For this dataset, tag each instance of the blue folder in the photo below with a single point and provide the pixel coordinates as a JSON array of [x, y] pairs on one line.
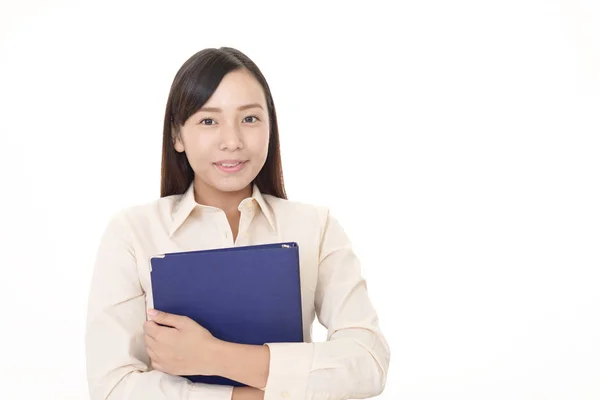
[[245, 294]]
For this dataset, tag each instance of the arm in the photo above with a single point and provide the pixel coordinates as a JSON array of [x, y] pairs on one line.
[[353, 362], [116, 358], [248, 364], [247, 393]]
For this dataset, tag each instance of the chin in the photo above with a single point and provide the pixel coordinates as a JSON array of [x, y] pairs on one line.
[[231, 185]]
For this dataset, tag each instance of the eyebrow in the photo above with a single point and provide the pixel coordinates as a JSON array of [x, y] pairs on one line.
[[244, 107]]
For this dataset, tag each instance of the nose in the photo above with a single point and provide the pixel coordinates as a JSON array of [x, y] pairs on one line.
[[231, 137]]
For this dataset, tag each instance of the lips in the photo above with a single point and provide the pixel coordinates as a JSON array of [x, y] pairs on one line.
[[229, 163], [230, 166]]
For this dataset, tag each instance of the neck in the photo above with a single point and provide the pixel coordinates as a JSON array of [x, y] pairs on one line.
[[226, 201]]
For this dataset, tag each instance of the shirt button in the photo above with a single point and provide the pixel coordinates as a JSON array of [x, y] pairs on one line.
[[285, 395]]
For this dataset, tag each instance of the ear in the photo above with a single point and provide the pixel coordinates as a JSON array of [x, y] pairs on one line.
[[177, 141], [178, 144]]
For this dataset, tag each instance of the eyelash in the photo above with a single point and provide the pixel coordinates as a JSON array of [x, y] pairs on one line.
[[257, 119]]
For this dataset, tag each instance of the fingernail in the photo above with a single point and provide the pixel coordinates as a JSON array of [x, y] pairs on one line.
[[152, 312]]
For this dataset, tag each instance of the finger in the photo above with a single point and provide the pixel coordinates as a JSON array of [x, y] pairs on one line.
[[156, 366], [151, 343], [152, 354], [154, 359], [151, 329], [163, 318]]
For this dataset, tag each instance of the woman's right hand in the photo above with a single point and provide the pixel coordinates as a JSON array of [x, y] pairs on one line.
[[247, 393]]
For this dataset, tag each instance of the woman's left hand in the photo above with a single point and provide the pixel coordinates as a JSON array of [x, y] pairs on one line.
[[185, 349]]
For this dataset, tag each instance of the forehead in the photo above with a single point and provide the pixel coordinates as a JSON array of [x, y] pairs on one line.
[[235, 89]]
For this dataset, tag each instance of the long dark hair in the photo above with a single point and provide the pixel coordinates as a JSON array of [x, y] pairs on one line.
[[194, 83]]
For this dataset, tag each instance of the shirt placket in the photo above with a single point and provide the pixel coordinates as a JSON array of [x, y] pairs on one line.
[[247, 214]]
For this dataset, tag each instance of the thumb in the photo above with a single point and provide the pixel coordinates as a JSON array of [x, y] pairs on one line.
[[165, 318]]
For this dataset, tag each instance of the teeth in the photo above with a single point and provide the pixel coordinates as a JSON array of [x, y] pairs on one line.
[[230, 165]]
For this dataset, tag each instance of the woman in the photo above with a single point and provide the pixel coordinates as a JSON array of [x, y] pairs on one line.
[[222, 186]]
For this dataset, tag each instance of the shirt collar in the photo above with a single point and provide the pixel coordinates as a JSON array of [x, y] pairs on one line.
[[187, 203]]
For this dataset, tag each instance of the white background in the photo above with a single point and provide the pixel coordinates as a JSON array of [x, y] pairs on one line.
[[456, 141]]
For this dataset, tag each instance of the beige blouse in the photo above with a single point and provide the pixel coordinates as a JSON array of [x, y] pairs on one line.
[[351, 363]]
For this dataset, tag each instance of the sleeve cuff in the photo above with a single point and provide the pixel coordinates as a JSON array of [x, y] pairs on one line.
[[289, 369], [203, 391]]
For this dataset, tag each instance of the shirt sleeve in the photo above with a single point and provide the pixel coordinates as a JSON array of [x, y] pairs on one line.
[[116, 358], [353, 361]]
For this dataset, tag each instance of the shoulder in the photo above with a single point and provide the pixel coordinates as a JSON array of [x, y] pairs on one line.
[[297, 211], [286, 205], [146, 214]]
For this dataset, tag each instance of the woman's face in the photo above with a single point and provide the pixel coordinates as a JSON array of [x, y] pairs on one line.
[[227, 140]]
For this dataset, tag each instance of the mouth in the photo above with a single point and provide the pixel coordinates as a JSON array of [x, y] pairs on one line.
[[230, 166]]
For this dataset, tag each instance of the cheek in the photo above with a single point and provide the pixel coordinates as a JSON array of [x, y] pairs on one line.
[[199, 150], [259, 144]]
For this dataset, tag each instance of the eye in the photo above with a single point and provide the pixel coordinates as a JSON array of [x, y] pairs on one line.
[[207, 119], [251, 116]]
